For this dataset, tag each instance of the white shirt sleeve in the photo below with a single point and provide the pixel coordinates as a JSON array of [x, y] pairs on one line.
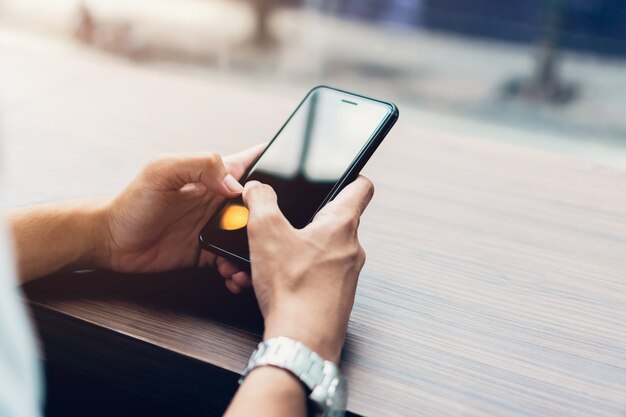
[[20, 382]]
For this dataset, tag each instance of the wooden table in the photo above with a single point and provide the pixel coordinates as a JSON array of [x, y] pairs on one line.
[[496, 276]]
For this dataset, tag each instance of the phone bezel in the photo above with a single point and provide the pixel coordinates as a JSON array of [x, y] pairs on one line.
[[348, 176]]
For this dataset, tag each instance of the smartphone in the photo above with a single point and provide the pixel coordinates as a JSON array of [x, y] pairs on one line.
[[319, 150]]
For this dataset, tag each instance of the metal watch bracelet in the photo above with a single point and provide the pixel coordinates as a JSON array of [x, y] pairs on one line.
[[321, 378]]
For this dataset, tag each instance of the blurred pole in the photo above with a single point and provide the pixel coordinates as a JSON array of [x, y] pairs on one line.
[[263, 12], [545, 84], [546, 76]]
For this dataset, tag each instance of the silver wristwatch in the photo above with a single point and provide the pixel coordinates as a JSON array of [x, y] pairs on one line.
[[322, 379]]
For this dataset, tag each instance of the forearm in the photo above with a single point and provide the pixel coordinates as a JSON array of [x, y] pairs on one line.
[[269, 391], [52, 237]]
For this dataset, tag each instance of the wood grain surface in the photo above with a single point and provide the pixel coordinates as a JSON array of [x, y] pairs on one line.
[[496, 276]]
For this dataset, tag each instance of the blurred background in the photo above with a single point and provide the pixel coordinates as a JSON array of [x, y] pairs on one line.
[[544, 73]]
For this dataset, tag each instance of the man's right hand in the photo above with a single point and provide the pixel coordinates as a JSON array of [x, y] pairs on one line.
[[305, 280]]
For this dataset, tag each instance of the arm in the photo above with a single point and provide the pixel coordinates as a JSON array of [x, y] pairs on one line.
[[305, 283], [51, 237]]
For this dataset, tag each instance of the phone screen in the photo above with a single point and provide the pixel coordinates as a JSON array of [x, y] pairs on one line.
[[305, 161]]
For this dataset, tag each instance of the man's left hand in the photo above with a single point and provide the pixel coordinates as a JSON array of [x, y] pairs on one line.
[[153, 225]]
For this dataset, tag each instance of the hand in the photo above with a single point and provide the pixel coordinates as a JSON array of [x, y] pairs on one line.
[[153, 225], [305, 280]]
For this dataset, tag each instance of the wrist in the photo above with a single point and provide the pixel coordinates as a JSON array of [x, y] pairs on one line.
[[318, 335], [93, 218]]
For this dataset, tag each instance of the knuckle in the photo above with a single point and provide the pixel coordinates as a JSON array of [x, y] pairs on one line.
[[251, 189], [351, 219], [159, 160], [213, 159], [257, 187], [268, 189], [370, 187], [356, 257], [361, 255], [156, 165]]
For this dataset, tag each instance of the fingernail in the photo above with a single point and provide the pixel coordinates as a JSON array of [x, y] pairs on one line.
[[232, 184]]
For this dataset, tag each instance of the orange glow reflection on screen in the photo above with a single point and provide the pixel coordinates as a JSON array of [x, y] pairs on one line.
[[234, 217]]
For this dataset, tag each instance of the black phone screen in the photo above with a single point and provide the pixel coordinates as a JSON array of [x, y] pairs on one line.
[[304, 163]]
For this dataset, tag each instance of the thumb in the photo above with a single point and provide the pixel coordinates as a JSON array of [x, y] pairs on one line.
[[349, 204], [262, 204], [168, 173]]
